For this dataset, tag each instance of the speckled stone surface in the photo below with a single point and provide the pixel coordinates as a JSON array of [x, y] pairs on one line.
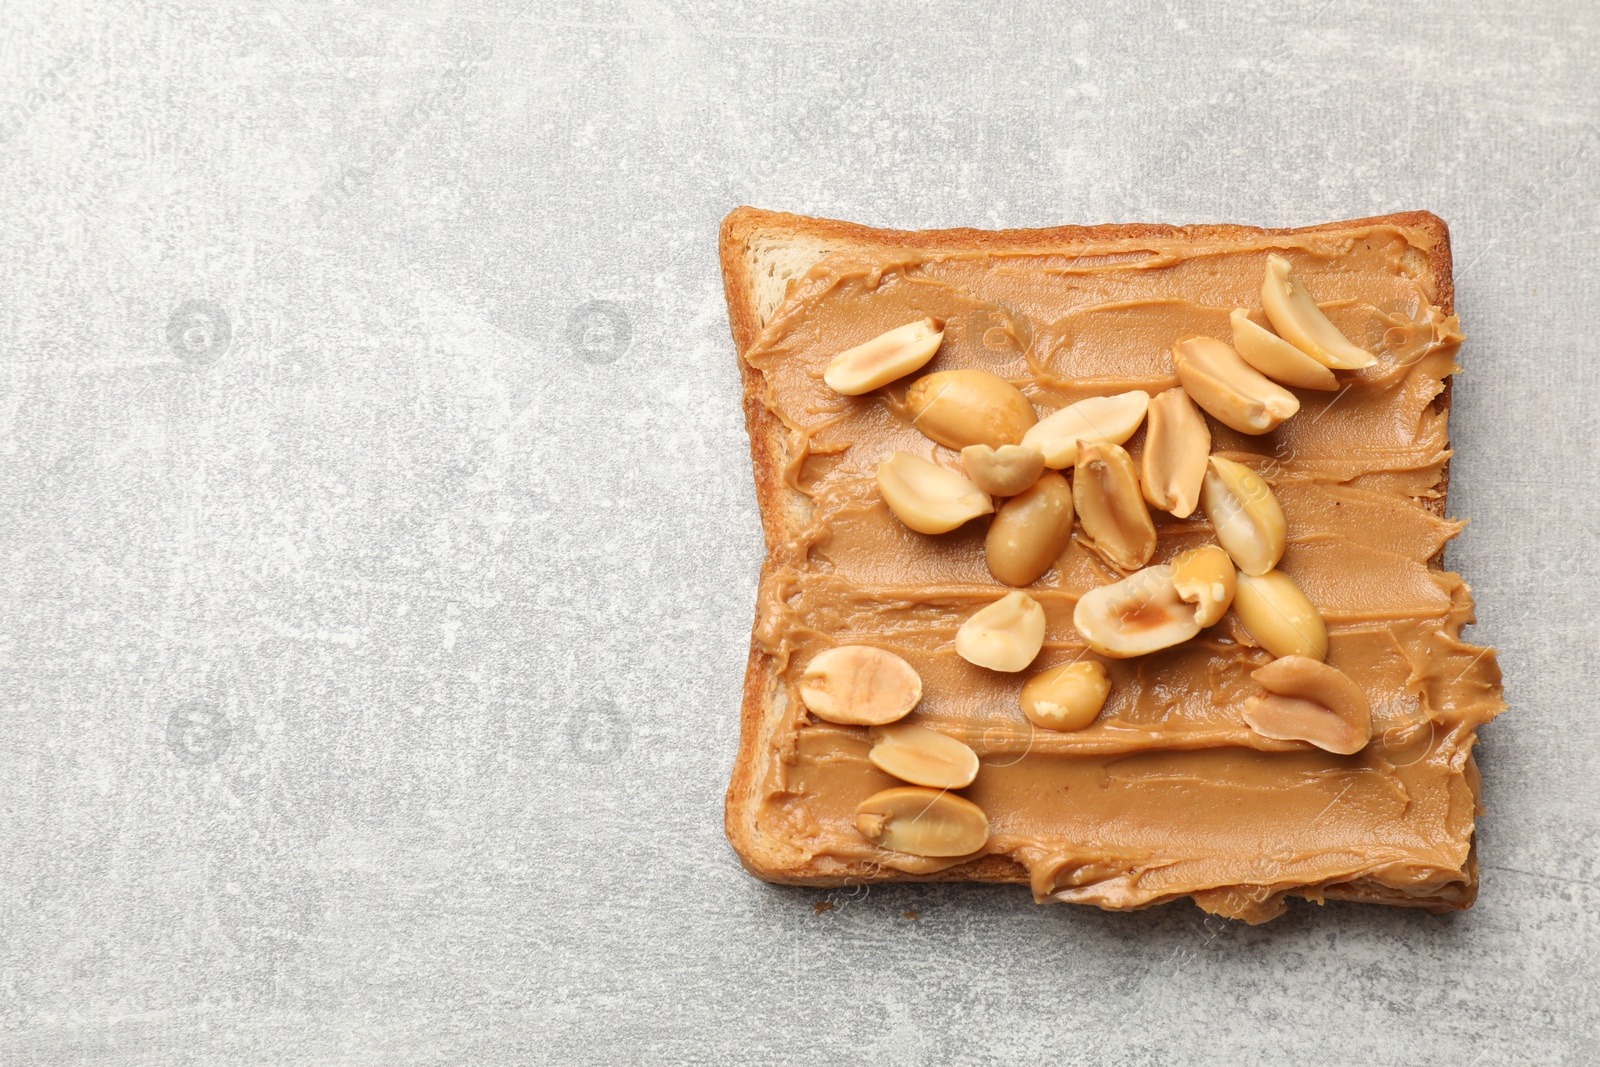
[[378, 545]]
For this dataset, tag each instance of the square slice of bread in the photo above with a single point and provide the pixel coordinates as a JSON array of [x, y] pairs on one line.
[[764, 255]]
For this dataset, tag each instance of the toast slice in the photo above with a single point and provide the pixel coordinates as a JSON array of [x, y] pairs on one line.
[[768, 258]]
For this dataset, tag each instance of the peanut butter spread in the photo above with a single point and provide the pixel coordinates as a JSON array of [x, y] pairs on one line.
[[1169, 793]]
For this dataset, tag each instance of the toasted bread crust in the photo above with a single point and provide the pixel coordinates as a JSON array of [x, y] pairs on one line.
[[741, 229]]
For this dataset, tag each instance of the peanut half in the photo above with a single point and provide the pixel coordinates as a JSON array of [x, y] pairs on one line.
[[923, 822], [1310, 701], [1204, 577], [1299, 320], [1003, 471], [1176, 443], [922, 756], [1099, 418], [927, 497], [1004, 636], [1244, 514], [1279, 617], [888, 356], [958, 408], [1234, 393], [858, 685], [1277, 358], [1105, 490], [1068, 697], [1030, 531], [1138, 615]]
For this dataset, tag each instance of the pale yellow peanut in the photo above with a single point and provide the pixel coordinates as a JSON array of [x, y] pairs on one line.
[[887, 357], [1277, 358], [958, 408], [1110, 505], [1068, 697], [1003, 471], [859, 685], [1138, 615], [1004, 636], [922, 756], [929, 498], [1278, 615], [1232, 392], [1099, 418], [1204, 577], [1310, 701], [1030, 531], [1176, 443], [922, 822], [1244, 514], [1298, 320]]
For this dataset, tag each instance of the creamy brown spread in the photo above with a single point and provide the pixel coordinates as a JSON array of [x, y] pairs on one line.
[[1169, 793]]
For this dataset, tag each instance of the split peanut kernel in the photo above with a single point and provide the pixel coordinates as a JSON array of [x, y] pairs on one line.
[[1138, 615], [1176, 443], [927, 497], [1204, 577], [1231, 390], [1068, 697], [1277, 358], [1030, 531], [922, 822], [888, 356], [1105, 491], [1099, 418], [1003, 471], [958, 408], [1308, 700], [1299, 320], [1245, 516], [1279, 617], [922, 756], [1004, 636], [858, 685]]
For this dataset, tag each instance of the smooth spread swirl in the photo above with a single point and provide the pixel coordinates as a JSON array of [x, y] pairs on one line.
[[1169, 793]]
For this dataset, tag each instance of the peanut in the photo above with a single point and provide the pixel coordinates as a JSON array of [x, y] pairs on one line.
[[858, 685], [1299, 320], [1279, 617], [923, 822], [1068, 697], [1310, 701], [1099, 418], [922, 756], [1176, 443], [927, 497], [888, 356], [1004, 636], [1231, 390], [958, 408], [1244, 514], [1105, 491], [1030, 531], [1138, 615]]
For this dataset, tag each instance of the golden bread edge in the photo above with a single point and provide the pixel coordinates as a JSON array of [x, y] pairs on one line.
[[763, 856]]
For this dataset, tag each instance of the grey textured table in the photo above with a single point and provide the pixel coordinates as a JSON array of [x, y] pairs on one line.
[[378, 545]]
